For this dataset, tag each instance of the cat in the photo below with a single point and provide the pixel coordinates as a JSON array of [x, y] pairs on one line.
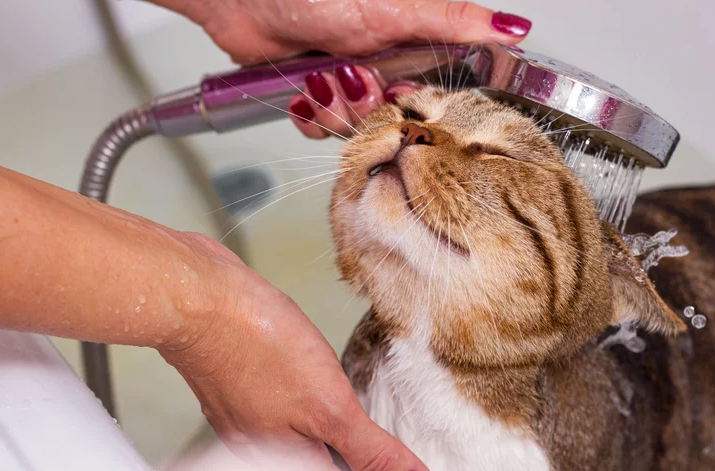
[[493, 285]]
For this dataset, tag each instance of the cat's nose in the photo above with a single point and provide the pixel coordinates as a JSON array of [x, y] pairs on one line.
[[414, 134]]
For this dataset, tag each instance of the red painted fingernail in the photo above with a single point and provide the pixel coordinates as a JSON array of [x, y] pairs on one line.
[[351, 82], [391, 97], [319, 88], [302, 110], [510, 24]]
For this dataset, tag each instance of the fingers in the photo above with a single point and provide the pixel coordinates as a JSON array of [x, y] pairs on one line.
[[339, 420], [399, 89], [433, 21], [366, 447], [464, 22], [334, 104]]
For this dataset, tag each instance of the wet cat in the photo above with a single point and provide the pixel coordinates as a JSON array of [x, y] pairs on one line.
[[493, 284]]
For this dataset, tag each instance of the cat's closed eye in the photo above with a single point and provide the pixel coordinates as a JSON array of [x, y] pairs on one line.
[[479, 148], [409, 113]]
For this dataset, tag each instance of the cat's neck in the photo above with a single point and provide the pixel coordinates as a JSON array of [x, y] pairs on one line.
[[506, 393]]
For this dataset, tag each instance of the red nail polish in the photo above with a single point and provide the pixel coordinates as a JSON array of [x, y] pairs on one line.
[[351, 82], [390, 97], [302, 110], [319, 89], [510, 24]]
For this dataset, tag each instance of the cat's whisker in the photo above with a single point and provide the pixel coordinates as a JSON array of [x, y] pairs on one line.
[[449, 75], [292, 159], [352, 128], [296, 182], [436, 61], [356, 243], [297, 169], [345, 197], [276, 201], [461, 70], [413, 65], [355, 113], [417, 219], [285, 111], [332, 248]]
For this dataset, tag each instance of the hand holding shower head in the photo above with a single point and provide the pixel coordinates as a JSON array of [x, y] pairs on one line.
[[606, 135]]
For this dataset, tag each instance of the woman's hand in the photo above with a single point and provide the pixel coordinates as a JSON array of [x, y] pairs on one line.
[[268, 382], [253, 31], [266, 378]]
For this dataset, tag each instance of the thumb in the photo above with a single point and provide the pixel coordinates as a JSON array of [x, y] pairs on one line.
[[366, 447], [455, 22]]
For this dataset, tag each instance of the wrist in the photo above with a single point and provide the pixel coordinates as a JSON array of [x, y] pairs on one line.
[[203, 289]]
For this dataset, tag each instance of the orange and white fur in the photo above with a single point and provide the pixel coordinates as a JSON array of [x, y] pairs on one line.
[[492, 280]]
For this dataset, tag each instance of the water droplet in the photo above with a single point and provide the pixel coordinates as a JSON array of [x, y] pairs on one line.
[[138, 309], [166, 275], [699, 321], [183, 281], [635, 344], [184, 339], [186, 267], [142, 299], [689, 311]]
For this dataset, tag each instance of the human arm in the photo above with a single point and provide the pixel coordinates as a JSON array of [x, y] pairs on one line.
[[76, 268]]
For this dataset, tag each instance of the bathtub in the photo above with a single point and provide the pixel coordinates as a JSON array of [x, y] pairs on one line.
[[49, 420]]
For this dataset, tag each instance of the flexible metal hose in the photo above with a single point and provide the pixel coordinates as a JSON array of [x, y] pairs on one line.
[[98, 171], [102, 160]]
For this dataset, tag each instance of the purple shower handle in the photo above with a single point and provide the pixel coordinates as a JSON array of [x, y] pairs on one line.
[[253, 95]]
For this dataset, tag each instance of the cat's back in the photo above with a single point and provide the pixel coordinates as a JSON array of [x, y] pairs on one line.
[[689, 281], [654, 410]]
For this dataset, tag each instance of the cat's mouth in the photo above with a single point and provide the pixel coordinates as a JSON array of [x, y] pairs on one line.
[[393, 170]]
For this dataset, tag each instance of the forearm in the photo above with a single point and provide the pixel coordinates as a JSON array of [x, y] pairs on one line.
[[72, 267]]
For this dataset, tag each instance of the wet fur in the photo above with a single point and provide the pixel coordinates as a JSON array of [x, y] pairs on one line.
[[485, 261]]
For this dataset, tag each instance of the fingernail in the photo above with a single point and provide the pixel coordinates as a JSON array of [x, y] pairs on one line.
[[390, 97], [319, 88], [510, 24], [351, 82], [302, 110]]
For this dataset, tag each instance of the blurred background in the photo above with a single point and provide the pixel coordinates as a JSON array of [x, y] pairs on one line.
[[61, 82]]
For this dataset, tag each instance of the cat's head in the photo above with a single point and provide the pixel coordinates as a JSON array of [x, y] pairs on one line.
[[457, 217]]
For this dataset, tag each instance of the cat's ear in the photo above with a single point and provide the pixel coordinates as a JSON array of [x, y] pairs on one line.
[[635, 299]]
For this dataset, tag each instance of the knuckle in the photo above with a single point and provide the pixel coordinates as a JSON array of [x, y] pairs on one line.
[[457, 12], [382, 460], [330, 416]]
